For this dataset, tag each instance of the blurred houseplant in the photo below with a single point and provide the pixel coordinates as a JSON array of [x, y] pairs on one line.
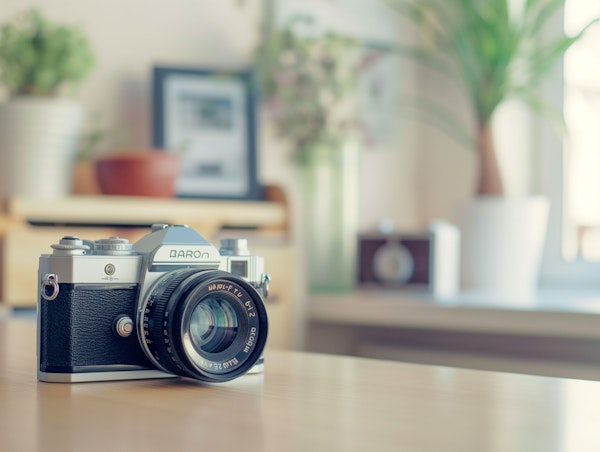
[[499, 53], [310, 83], [39, 126], [498, 50]]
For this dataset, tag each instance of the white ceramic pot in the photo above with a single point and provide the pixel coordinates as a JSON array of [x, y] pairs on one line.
[[38, 140], [502, 244]]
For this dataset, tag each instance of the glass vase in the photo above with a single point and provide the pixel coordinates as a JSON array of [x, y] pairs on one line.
[[329, 180]]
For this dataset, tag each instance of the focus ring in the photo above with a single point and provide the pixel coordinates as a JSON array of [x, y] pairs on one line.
[[160, 324]]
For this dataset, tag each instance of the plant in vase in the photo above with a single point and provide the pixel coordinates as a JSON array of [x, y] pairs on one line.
[[497, 49], [310, 84], [39, 127]]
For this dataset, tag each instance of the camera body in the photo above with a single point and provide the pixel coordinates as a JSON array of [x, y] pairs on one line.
[[170, 304]]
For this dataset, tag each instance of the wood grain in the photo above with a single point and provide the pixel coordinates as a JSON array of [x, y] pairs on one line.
[[303, 402]]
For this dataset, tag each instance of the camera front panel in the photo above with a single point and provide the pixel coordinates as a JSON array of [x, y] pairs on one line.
[[77, 330]]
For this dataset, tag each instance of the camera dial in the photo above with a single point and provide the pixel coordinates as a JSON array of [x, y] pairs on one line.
[[234, 247], [113, 246], [70, 245]]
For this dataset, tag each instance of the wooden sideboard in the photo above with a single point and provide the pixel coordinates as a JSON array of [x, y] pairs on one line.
[[28, 228]]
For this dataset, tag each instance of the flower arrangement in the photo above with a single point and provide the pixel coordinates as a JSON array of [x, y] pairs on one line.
[[310, 84]]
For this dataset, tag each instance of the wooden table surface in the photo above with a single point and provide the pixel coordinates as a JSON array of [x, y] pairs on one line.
[[303, 402]]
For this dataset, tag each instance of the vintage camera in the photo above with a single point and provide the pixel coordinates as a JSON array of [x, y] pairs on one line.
[[169, 305], [428, 260]]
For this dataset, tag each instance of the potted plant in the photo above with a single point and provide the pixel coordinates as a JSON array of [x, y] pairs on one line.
[[498, 51], [309, 82], [138, 172], [106, 164], [39, 127]]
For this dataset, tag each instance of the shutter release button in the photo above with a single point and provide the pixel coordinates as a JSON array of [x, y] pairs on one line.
[[123, 326]]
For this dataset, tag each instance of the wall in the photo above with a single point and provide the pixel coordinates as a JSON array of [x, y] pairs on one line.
[[131, 36], [423, 176]]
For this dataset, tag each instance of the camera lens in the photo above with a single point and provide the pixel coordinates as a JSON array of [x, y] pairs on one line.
[[204, 324], [213, 325]]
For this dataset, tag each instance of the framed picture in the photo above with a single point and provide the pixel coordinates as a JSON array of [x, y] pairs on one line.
[[209, 118]]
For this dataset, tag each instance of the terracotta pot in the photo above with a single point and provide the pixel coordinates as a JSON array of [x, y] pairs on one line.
[[84, 179], [143, 173]]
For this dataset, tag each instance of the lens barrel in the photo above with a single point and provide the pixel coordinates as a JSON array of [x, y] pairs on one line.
[[203, 324]]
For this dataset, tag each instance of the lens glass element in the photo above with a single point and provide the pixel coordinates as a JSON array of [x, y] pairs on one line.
[[213, 325]]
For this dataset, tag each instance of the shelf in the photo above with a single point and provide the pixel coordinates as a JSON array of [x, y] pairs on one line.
[[557, 334], [565, 314], [122, 210]]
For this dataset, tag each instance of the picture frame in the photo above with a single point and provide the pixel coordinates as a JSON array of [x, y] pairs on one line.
[[209, 117]]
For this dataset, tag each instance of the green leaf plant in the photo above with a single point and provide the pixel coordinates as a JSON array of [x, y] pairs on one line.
[[499, 54], [38, 57]]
